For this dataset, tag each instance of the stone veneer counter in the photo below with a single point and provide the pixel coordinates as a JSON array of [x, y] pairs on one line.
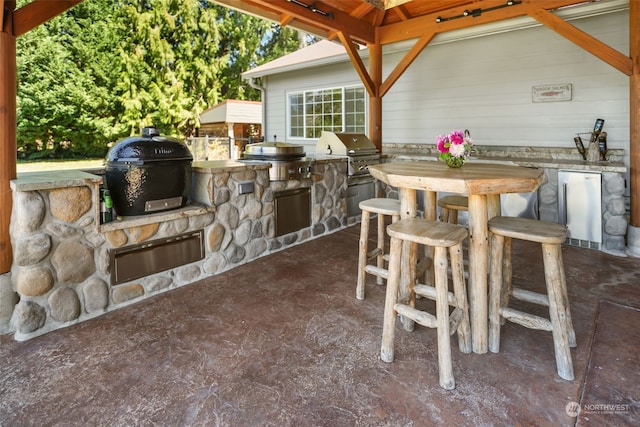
[[62, 265], [538, 157]]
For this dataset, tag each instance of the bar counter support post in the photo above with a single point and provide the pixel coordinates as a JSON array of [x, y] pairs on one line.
[[481, 209]]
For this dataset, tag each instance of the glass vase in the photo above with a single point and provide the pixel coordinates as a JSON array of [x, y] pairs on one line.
[[455, 162]]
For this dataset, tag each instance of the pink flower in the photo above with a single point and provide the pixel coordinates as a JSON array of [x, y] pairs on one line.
[[455, 145], [442, 142], [456, 137]]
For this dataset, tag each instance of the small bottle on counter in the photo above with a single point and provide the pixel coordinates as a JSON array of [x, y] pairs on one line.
[[602, 146], [106, 207], [108, 203]]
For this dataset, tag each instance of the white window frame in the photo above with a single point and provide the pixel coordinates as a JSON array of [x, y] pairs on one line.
[[303, 124]]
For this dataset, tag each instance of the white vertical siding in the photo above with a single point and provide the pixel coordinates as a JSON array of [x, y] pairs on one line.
[[279, 85], [484, 84]]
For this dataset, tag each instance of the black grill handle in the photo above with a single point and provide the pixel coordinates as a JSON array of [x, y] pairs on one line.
[[150, 131]]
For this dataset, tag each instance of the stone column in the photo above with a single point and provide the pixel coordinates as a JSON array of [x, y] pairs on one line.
[[8, 300]]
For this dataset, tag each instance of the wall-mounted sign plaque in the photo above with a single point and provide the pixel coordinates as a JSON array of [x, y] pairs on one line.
[[551, 93]]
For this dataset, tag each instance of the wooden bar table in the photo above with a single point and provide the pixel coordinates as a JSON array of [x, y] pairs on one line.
[[482, 183]]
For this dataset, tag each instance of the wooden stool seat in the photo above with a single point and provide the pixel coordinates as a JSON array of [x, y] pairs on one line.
[[382, 207], [443, 238], [428, 233], [450, 205], [528, 229], [551, 236]]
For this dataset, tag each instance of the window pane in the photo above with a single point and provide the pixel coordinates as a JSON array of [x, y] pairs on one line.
[[334, 109]]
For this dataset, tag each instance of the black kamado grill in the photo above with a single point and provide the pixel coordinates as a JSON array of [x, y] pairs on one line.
[[148, 173]]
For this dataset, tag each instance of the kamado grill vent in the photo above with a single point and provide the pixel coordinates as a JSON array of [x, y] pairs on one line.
[[148, 173]]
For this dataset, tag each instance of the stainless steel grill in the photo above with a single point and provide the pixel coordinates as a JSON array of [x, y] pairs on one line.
[[288, 161], [356, 146], [361, 153]]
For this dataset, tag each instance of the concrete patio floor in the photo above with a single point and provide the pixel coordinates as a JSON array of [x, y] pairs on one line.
[[282, 341]]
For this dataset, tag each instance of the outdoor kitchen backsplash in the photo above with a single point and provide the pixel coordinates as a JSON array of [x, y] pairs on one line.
[[61, 267]]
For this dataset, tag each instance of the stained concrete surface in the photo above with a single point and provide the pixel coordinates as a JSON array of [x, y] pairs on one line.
[[282, 341]]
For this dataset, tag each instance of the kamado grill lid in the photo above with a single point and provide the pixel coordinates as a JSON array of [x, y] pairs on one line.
[[150, 147], [274, 151]]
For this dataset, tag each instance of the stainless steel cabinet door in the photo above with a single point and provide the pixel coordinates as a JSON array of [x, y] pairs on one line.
[[579, 206]]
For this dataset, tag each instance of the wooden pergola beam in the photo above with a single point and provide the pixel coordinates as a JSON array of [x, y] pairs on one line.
[[454, 19], [38, 12], [361, 69], [320, 16], [585, 41]]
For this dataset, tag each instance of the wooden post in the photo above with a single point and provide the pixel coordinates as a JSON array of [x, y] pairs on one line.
[[7, 132], [375, 101]]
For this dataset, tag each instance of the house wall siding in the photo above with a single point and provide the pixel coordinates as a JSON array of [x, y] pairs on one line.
[[485, 85]]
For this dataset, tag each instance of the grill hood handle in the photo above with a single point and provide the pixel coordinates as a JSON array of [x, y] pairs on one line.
[[150, 131]]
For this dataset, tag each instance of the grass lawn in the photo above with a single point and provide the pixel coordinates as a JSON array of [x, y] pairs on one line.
[[58, 165]]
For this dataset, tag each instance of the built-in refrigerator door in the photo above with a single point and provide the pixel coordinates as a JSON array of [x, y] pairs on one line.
[[579, 207]]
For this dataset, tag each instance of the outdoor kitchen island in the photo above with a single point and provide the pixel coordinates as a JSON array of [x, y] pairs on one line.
[[63, 257]]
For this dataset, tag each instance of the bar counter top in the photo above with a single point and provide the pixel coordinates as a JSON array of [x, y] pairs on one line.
[[535, 157]]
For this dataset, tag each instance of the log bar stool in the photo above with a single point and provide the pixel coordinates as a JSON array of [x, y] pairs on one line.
[[551, 236], [381, 207], [449, 207], [441, 236]]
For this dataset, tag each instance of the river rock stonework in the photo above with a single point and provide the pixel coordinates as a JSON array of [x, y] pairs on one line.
[[614, 227], [61, 272]]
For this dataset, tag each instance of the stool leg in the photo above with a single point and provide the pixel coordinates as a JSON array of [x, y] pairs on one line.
[[552, 256], [495, 291], [408, 275], [393, 282], [444, 215], [565, 297], [428, 272], [460, 292], [362, 255], [445, 368], [507, 275], [453, 216], [380, 257]]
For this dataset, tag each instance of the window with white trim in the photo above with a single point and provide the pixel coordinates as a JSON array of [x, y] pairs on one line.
[[335, 109]]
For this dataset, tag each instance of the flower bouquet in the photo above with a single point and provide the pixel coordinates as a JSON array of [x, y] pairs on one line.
[[454, 148]]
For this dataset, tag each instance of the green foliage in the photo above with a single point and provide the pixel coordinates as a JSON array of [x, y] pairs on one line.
[[108, 68], [63, 97]]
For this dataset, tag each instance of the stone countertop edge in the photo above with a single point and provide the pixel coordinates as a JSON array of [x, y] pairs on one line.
[[327, 158], [47, 180], [136, 221], [219, 166], [580, 165]]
